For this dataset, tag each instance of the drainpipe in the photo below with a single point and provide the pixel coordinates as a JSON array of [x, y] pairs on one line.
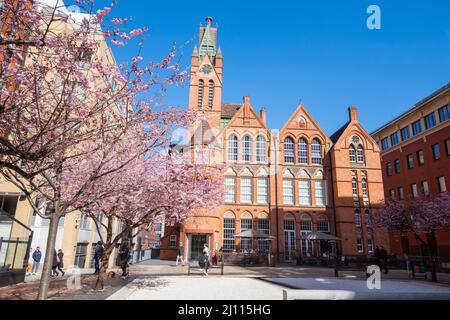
[[277, 210], [333, 193], [336, 270]]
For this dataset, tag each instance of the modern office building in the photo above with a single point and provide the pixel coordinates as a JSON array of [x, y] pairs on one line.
[[416, 161]]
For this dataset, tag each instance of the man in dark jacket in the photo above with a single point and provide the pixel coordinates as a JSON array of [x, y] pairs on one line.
[[37, 256], [384, 260], [180, 255], [55, 264], [61, 261], [98, 254], [124, 256]]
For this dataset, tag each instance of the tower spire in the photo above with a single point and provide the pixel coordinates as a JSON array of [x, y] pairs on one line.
[[208, 37]]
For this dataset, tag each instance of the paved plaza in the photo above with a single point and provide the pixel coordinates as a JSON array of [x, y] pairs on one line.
[[163, 280]]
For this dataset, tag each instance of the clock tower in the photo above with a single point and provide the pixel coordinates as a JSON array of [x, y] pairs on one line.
[[205, 92]]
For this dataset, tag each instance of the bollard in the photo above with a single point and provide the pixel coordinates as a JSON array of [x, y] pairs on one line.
[[221, 267], [336, 272], [189, 269]]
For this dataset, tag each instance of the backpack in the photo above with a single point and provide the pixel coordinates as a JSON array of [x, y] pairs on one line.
[[202, 259]]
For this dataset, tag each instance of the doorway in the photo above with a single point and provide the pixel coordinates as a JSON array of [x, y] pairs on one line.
[[196, 242]]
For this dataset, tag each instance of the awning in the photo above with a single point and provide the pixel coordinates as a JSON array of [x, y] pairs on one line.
[[318, 236], [254, 234]]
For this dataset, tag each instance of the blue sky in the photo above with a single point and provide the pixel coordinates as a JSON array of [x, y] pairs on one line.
[[319, 52]]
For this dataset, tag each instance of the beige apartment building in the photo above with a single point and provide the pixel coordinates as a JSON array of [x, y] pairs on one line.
[[77, 234]]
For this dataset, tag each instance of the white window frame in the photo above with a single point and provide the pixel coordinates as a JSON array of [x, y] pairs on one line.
[[247, 190], [289, 151], [263, 190], [233, 148], [230, 195], [304, 192], [247, 149], [320, 193], [316, 150], [228, 235], [173, 241], [303, 151], [288, 192], [261, 149]]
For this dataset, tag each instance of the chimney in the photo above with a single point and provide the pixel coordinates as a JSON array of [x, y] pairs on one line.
[[353, 114], [247, 100], [264, 115]]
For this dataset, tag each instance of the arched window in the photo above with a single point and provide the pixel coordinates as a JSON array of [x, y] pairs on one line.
[[358, 221], [323, 224], [264, 226], [365, 188], [304, 189], [261, 149], [355, 188], [211, 94], [229, 227], [360, 154], [368, 219], [303, 154], [289, 150], [246, 224], [352, 153], [247, 146], [306, 228], [289, 236], [201, 85], [316, 150], [288, 188], [233, 148], [247, 187]]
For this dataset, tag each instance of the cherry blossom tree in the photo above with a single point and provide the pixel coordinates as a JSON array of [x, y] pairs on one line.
[[165, 186], [422, 216], [70, 116]]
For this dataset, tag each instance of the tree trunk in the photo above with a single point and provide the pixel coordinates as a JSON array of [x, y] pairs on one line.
[[49, 254], [431, 252], [100, 284]]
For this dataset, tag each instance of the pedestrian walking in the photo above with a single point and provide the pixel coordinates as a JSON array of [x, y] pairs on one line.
[[55, 273], [98, 254], [180, 255], [37, 256], [124, 257], [207, 256], [61, 262], [384, 260]]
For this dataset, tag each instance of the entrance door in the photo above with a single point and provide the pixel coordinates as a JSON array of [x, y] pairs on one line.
[[196, 242], [289, 244]]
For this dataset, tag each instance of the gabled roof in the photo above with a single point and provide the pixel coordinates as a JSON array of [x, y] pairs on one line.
[[302, 109], [335, 136], [229, 110]]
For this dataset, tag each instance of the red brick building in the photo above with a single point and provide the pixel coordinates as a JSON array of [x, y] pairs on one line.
[[416, 161], [287, 184]]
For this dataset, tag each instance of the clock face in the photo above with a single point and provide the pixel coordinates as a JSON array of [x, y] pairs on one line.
[[206, 69]]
